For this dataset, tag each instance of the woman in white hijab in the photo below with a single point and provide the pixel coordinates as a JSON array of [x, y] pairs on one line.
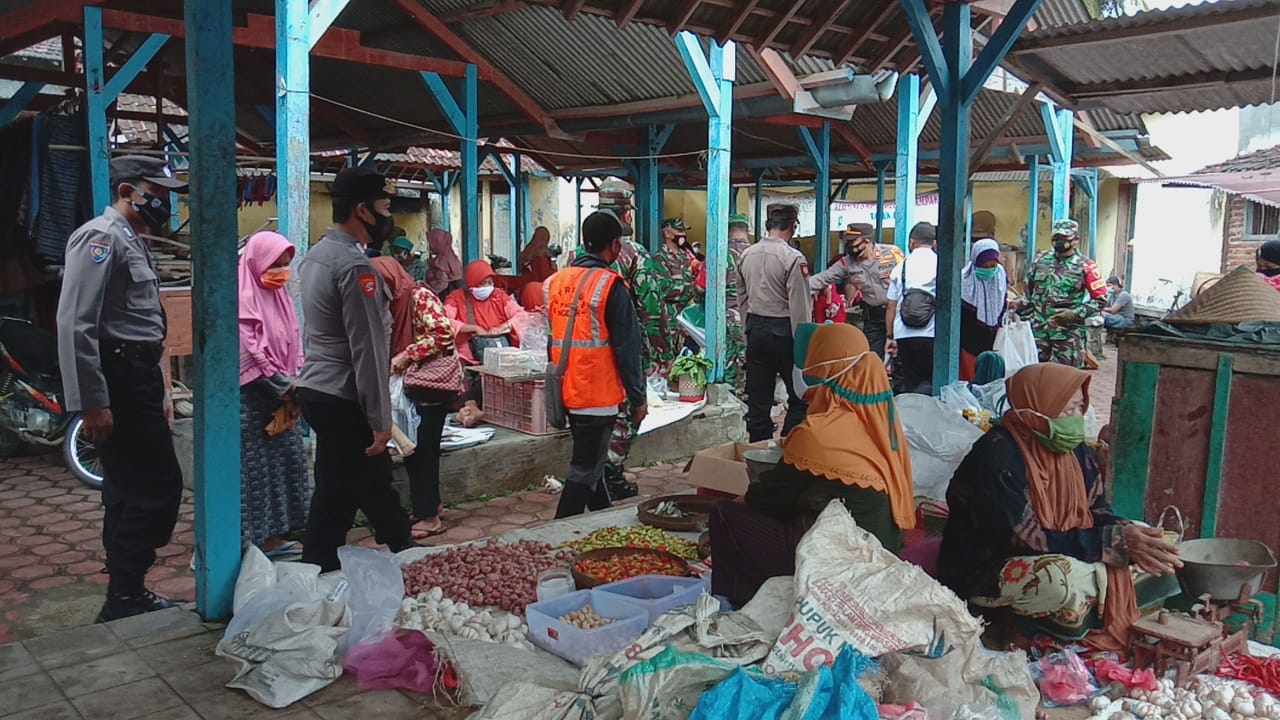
[[984, 288]]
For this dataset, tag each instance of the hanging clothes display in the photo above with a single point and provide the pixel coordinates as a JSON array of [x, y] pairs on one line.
[[63, 176]]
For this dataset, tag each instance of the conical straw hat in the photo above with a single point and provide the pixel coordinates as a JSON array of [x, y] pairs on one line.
[[1240, 296]]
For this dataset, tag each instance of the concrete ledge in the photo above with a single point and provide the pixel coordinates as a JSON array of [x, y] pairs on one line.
[[513, 461]]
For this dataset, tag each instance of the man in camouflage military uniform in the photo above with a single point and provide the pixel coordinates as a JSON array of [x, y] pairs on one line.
[[680, 274], [735, 373], [1062, 293]]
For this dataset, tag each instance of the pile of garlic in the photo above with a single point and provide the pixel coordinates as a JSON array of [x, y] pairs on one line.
[[432, 611], [1207, 698]]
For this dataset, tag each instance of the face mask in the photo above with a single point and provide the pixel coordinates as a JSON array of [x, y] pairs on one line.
[[1062, 246], [1065, 433], [986, 274], [154, 211], [275, 278], [380, 228], [802, 379], [483, 292], [853, 251]]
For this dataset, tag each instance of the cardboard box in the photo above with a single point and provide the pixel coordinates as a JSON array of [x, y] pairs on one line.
[[723, 467]]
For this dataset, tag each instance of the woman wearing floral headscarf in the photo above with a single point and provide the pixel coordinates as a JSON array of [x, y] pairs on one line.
[[1029, 527], [274, 492]]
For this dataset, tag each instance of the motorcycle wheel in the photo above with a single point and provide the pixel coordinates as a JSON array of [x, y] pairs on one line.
[[81, 456], [10, 443]]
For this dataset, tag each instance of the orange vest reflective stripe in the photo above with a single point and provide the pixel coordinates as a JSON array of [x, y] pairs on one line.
[[591, 376]]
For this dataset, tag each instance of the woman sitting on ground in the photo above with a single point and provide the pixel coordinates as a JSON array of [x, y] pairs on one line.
[[850, 447], [1030, 528], [480, 313], [420, 332]]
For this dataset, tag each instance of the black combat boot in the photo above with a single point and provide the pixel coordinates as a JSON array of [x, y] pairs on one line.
[[619, 487]]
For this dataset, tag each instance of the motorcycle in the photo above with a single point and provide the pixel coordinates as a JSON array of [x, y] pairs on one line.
[[30, 401]]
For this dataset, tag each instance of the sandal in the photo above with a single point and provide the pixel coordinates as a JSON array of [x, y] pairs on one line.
[[422, 534], [291, 547]]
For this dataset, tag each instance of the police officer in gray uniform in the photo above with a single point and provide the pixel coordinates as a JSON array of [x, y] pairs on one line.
[[343, 385], [111, 330]]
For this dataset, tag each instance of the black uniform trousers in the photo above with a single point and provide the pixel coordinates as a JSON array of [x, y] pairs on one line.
[[347, 480], [584, 486], [873, 326], [142, 486], [913, 368], [770, 354]]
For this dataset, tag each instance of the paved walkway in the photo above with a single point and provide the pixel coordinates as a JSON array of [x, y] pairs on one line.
[[51, 541], [50, 534]]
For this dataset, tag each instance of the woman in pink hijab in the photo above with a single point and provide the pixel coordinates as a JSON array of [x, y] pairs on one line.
[[445, 273], [274, 492]]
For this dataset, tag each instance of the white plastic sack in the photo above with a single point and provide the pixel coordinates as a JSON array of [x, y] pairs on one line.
[[1016, 344], [851, 591], [939, 440], [290, 654], [264, 589], [375, 587], [403, 413], [957, 398]]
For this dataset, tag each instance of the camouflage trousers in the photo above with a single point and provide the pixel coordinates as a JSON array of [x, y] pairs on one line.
[[735, 368], [1065, 346]]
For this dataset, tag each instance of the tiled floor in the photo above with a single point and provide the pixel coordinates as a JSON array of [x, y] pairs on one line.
[[162, 666], [51, 549]]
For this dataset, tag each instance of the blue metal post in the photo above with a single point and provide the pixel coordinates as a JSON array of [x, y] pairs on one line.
[[822, 197], [293, 123], [1060, 129], [100, 93], [1090, 178], [212, 106], [714, 82], [1033, 212], [19, 102], [905, 166], [881, 167], [953, 182], [463, 119]]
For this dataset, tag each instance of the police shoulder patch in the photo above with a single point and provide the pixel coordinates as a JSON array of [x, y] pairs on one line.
[[99, 249], [368, 284]]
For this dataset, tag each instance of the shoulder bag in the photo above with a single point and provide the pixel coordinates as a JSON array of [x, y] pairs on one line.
[[480, 343], [557, 415], [917, 305]]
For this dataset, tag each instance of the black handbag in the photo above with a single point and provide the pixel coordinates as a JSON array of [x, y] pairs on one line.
[[553, 386], [481, 343], [917, 306]]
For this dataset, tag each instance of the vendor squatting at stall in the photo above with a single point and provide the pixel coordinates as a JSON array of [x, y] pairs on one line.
[[1030, 528], [849, 447]]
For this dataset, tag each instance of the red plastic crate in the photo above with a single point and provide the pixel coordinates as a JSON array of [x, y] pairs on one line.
[[518, 404]]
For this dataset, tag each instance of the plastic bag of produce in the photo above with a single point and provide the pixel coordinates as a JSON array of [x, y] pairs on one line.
[[375, 589], [396, 660], [1016, 344], [851, 591], [824, 693], [939, 439], [289, 655]]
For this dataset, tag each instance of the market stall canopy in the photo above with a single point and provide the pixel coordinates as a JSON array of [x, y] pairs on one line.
[[1199, 57], [1255, 176]]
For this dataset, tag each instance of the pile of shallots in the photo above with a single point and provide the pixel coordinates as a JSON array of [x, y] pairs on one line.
[[431, 610], [1207, 698], [501, 575]]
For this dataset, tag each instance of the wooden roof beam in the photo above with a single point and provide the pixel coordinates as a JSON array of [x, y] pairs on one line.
[[572, 8], [736, 20], [489, 9], [678, 23], [627, 13], [816, 30], [1025, 101], [842, 56], [767, 39], [462, 49]]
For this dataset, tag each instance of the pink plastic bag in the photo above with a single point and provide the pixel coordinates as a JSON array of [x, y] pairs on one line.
[[1112, 670], [1063, 679], [395, 660]]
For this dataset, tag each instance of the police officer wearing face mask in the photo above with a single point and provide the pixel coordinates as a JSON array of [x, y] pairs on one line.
[[111, 331], [864, 270], [343, 383]]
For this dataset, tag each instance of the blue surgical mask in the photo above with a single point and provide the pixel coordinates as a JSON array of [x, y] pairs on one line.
[[483, 292], [986, 274]]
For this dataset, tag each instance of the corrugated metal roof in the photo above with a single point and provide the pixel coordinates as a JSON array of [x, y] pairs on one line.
[[1265, 159], [1198, 57], [1057, 13]]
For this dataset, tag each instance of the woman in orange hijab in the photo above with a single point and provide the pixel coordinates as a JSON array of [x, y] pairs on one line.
[[1030, 528], [850, 447]]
